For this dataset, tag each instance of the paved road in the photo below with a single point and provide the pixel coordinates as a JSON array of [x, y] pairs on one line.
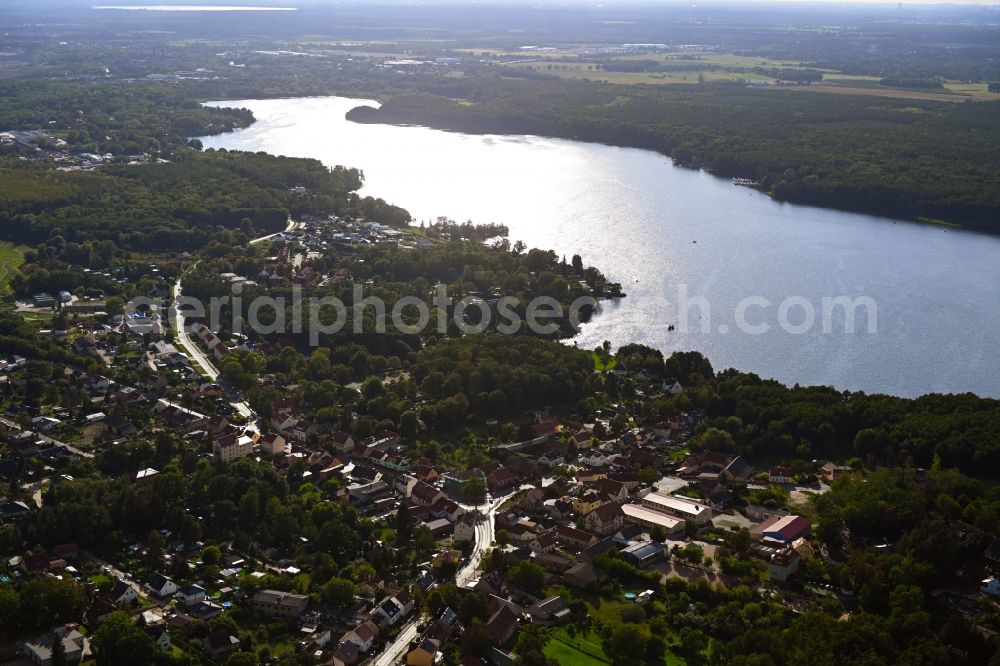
[[120, 575], [484, 538], [194, 351], [398, 647], [68, 447]]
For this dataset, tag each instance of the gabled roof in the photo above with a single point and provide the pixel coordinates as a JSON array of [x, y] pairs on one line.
[[608, 512], [364, 631], [572, 534], [99, 609], [120, 589], [424, 491], [500, 623], [158, 580]]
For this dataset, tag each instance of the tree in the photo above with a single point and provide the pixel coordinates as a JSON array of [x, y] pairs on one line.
[[528, 576], [118, 642], [10, 602], [211, 555], [155, 543], [408, 423], [476, 640], [531, 641], [338, 591], [115, 305], [243, 659], [58, 657], [404, 523], [475, 490], [626, 645], [46, 602]]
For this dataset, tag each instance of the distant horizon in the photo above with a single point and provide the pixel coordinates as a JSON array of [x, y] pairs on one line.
[[593, 4]]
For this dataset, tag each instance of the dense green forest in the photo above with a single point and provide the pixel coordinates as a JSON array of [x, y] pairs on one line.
[[900, 158], [120, 118], [177, 205]]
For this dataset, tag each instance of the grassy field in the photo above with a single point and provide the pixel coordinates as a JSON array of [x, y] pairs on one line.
[[563, 63], [11, 257], [585, 71], [580, 650]]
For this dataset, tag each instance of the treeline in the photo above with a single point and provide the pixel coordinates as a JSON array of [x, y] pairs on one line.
[[932, 531], [765, 420], [464, 269], [909, 82], [109, 117], [178, 205], [847, 152]]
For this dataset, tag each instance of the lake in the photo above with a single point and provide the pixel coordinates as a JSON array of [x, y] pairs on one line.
[[674, 236]]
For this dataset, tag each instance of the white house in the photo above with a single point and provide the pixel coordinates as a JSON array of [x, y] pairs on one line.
[[272, 443], [191, 594], [673, 387], [122, 593], [160, 636], [404, 485], [780, 474], [74, 644], [594, 459], [465, 529], [362, 635], [161, 585], [394, 609]]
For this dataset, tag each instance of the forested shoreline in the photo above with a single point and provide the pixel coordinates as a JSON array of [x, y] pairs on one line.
[[906, 159]]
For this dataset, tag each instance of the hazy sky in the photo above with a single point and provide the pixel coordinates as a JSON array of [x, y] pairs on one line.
[[590, 3]]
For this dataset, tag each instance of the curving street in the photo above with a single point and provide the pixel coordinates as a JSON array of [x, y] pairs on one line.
[[195, 352]]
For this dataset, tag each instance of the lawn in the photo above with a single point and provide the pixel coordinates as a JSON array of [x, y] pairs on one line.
[[586, 650], [581, 650]]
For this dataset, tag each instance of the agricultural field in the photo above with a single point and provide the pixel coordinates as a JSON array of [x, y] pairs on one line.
[[686, 67]]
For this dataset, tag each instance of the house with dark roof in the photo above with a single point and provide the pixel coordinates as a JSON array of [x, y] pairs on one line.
[[644, 553], [572, 538], [100, 609], [992, 553], [502, 625], [501, 479], [75, 646], [544, 543], [602, 547], [446, 508], [423, 652], [605, 519], [362, 636], [160, 636], [550, 610], [737, 469], [220, 644], [36, 563], [13, 510], [161, 586], [424, 494], [274, 603], [122, 593], [584, 574], [393, 609]]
